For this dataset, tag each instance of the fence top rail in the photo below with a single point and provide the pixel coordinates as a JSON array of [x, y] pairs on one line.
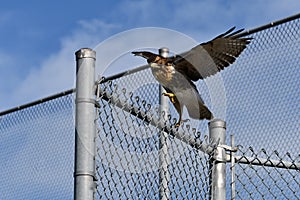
[[267, 162], [205, 147], [269, 25], [33, 103]]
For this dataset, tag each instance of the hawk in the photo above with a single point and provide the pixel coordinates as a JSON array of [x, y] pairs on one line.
[[178, 73]]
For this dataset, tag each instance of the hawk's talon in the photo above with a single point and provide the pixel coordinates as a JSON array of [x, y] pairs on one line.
[[172, 100], [170, 95], [185, 120], [181, 121]]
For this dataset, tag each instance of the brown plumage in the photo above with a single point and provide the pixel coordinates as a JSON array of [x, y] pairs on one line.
[[177, 73]]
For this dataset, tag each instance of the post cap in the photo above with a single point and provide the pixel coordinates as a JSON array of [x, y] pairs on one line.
[[217, 123], [85, 53], [164, 52]]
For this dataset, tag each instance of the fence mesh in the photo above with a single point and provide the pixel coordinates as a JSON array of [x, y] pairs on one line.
[[131, 157], [37, 151], [262, 90], [259, 181], [264, 112]]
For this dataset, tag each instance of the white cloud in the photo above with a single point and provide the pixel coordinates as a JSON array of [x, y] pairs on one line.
[[8, 75], [95, 25], [203, 19], [57, 72]]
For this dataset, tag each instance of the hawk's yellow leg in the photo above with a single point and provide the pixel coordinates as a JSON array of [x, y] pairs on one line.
[[170, 95], [177, 106]]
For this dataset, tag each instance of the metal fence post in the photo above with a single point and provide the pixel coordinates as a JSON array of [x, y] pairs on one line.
[[85, 129], [217, 133], [164, 175]]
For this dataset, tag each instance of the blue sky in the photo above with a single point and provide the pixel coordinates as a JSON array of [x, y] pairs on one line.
[[38, 38]]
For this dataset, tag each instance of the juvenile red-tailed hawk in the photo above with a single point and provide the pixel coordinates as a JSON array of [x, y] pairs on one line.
[[177, 73]]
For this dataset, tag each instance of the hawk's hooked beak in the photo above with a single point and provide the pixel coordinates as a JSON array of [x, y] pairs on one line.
[[136, 53], [139, 53], [144, 54]]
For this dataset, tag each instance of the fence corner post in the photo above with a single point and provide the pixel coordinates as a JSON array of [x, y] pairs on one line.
[[217, 133], [85, 129]]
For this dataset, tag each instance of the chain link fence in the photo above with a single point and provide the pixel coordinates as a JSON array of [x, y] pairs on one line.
[[263, 113], [268, 175], [140, 155], [262, 98], [131, 156], [37, 150], [262, 90]]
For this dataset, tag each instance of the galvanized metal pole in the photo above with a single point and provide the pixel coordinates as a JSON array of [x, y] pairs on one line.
[[85, 129], [232, 158], [164, 159], [217, 133]]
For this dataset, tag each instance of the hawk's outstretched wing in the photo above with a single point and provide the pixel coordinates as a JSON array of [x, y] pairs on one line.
[[208, 58]]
